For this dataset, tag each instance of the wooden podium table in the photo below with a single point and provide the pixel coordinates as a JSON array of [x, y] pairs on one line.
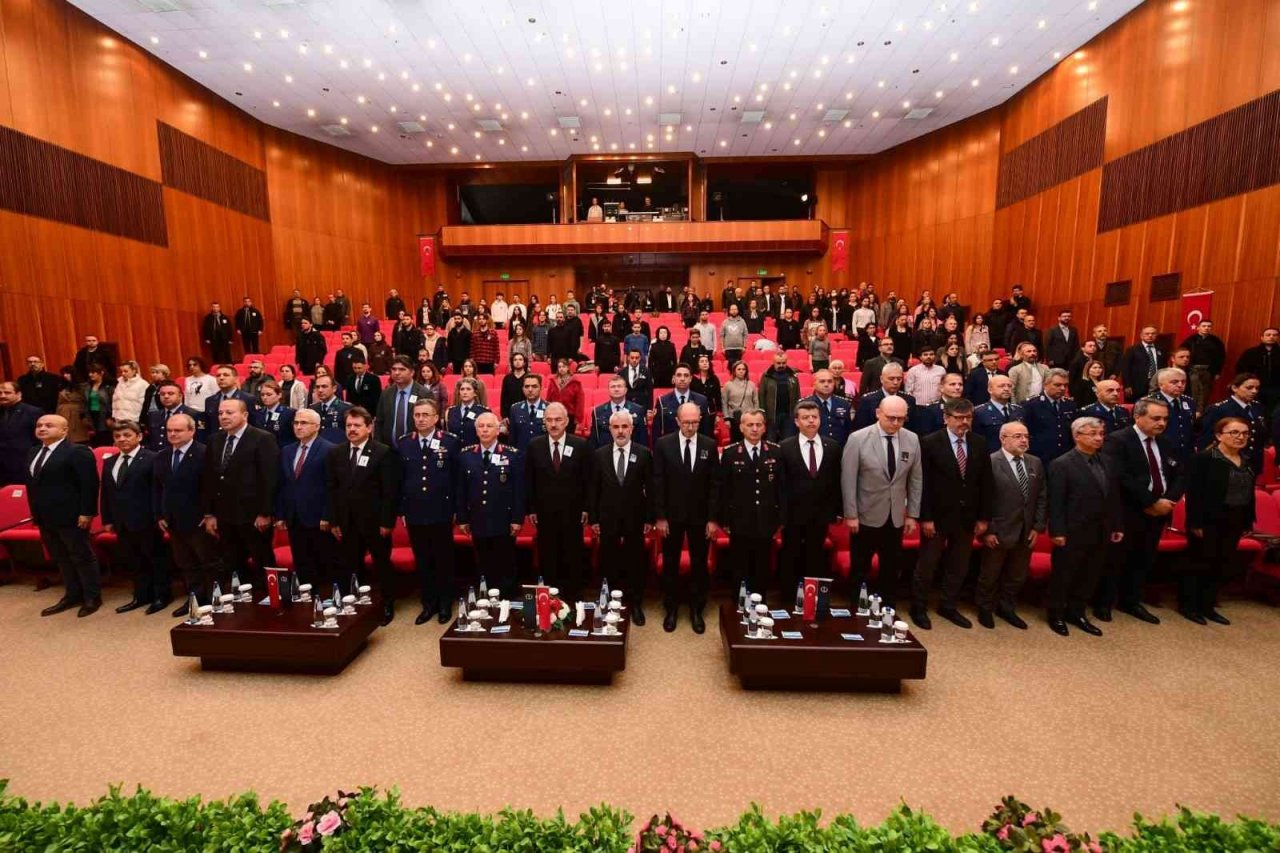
[[821, 659], [523, 655]]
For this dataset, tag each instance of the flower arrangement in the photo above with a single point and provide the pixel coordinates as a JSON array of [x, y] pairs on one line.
[[1019, 827], [668, 835], [323, 820]]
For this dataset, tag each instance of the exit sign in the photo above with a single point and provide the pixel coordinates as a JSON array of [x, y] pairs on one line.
[[762, 272], [506, 276]]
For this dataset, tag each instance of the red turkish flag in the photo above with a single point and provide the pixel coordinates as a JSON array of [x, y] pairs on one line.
[[839, 251], [1196, 307], [427, 256], [810, 598], [543, 598], [273, 587]]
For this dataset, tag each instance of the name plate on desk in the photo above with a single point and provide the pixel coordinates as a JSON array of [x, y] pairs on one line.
[[840, 612], [779, 614], [579, 632], [792, 635], [857, 638], [500, 629]]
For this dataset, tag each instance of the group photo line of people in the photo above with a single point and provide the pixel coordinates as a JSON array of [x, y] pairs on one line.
[[900, 446]]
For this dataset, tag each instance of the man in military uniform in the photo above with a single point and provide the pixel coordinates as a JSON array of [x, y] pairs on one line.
[[1242, 403], [332, 411], [931, 418], [491, 500], [1048, 417], [835, 411], [524, 422], [275, 417], [429, 464], [1107, 409], [460, 420], [617, 402], [750, 500], [1172, 382], [891, 378], [169, 403], [664, 420]]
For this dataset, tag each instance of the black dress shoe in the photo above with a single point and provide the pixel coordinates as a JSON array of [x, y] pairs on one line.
[[1102, 614], [388, 613], [43, 582], [1012, 618], [955, 617], [637, 616], [986, 618], [184, 610], [1194, 617], [63, 604], [425, 616], [1217, 618], [1059, 627], [695, 618], [1141, 613], [445, 616], [132, 605], [921, 619], [156, 606], [1083, 623], [89, 608], [669, 621]]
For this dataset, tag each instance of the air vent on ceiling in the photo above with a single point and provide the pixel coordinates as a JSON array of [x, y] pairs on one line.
[[489, 125], [668, 118], [835, 115], [753, 117], [569, 122], [918, 113], [411, 127], [283, 2], [166, 5], [335, 129]]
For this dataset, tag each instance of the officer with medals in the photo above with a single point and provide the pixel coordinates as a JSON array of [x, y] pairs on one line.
[[274, 417], [168, 403], [429, 465], [1108, 409], [997, 411], [835, 411], [1242, 403], [750, 497], [331, 410], [491, 501], [1181, 432], [460, 420], [1048, 417], [524, 422]]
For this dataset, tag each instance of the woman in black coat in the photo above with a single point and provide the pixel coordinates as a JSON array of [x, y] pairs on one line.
[[706, 383], [1220, 510], [662, 358]]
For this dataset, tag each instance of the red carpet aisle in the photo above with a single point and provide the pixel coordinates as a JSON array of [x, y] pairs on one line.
[[1141, 719]]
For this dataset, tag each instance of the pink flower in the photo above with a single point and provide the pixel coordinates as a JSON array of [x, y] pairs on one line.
[[306, 832], [693, 844], [1003, 834], [1095, 847], [1057, 844], [1030, 818], [329, 824], [342, 802], [715, 845], [672, 842], [660, 829], [308, 816], [286, 835]]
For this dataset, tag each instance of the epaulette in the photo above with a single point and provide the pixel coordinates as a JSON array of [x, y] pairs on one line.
[[471, 447], [732, 446]]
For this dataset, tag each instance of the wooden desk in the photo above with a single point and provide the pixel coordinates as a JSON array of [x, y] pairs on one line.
[[258, 639], [822, 659], [522, 655]]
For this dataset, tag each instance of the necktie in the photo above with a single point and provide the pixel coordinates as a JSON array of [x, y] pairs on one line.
[[122, 469], [1151, 362], [813, 460], [1022, 477], [755, 455], [1157, 482], [1004, 412], [622, 465], [228, 450], [355, 454], [890, 456], [617, 407], [300, 461], [680, 400], [555, 455], [688, 453], [39, 466], [962, 460], [177, 459]]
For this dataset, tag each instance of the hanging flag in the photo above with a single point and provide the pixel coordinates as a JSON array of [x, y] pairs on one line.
[[1196, 307], [839, 251], [427, 256]]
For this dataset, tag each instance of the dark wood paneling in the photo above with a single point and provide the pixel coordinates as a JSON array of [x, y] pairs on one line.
[[200, 169], [1071, 147]]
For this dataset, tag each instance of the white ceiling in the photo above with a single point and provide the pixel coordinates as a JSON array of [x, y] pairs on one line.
[[617, 65]]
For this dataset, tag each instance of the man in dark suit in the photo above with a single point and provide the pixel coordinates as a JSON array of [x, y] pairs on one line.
[[429, 475], [249, 324], [273, 416], [1150, 485], [975, 384], [239, 490], [557, 478], [168, 404], [1048, 417], [310, 348], [955, 507], [811, 468], [620, 508], [407, 338], [364, 389], [1062, 341], [128, 511], [394, 415], [302, 498], [17, 433], [332, 411], [751, 500], [177, 474], [1262, 361], [639, 382], [215, 331], [39, 387], [684, 469], [1018, 506], [664, 418], [92, 353], [346, 357], [1085, 513], [363, 481], [1025, 333], [1140, 364], [873, 367], [62, 492], [617, 402], [228, 389]]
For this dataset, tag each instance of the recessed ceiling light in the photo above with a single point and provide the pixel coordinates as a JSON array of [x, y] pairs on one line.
[[1041, 24], [1093, 5], [995, 41], [928, 25], [608, 111], [476, 134], [284, 34], [848, 96], [974, 82], [288, 78], [697, 77], [342, 120], [671, 89], [374, 128], [342, 63], [448, 96], [649, 137], [794, 74], [817, 73], [450, 125], [594, 139], [530, 82], [906, 105], [737, 99], [415, 87], [497, 107], [582, 102], [430, 144], [875, 114], [595, 147], [502, 142], [477, 156], [524, 115], [302, 49], [311, 113], [848, 59], [524, 147], [627, 111], [466, 57], [453, 150], [328, 48], [954, 56], [498, 70], [848, 123], [880, 83], [752, 47], [938, 94], [1057, 54], [422, 117], [795, 142], [155, 39], [793, 116], [404, 75], [768, 125], [759, 99], [360, 99], [476, 107], [820, 106], [613, 146], [554, 131], [368, 63], [724, 144], [599, 66], [257, 34], [248, 66], [275, 103], [439, 86], [382, 75], [1013, 69], [648, 101], [973, 7], [822, 133], [631, 146], [204, 54], [504, 116]]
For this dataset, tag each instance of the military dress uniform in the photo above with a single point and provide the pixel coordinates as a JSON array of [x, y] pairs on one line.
[[750, 496], [526, 423], [1253, 413], [460, 420], [277, 421], [333, 419], [664, 419], [491, 498], [1115, 419], [1181, 430], [932, 418], [157, 421], [989, 417], [600, 435], [865, 415], [427, 497], [1049, 422], [837, 417]]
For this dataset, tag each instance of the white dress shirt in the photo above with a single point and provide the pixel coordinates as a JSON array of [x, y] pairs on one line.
[[1155, 448], [816, 444], [115, 470], [51, 447]]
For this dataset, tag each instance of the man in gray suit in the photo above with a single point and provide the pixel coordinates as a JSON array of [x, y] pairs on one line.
[[1017, 517], [881, 480], [395, 406]]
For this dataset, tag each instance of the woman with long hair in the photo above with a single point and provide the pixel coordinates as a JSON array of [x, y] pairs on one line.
[[429, 377], [471, 371], [1084, 385], [513, 383], [662, 358], [291, 387], [380, 355], [518, 342], [706, 383], [737, 394], [977, 333], [541, 329], [97, 399], [565, 389]]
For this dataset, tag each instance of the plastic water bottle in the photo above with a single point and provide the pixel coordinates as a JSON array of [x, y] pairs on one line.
[[753, 622], [471, 598], [337, 597], [800, 597], [742, 597], [864, 603], [597, 620], [541, 582], [317, 612], [193, 604], [484, 586], [462, 612], [295, 588], [235, 583], [217, 597], [604, 589], [355, 584]]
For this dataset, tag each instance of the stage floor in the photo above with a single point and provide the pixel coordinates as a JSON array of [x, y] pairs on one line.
[[1141, 719]]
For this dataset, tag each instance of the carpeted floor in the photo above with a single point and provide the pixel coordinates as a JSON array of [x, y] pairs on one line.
[[1141, 719]]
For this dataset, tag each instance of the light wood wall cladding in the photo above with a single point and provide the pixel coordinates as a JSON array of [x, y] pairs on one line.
[[198, 168], [48, 181], [1071, 147]]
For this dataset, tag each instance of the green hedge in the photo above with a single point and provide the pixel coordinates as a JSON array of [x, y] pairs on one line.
[[379, 822]]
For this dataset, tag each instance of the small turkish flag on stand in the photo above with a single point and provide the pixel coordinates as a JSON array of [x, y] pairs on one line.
[[810, 599], [839, 251], [278, 587], [543, 599], [427, 256]]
